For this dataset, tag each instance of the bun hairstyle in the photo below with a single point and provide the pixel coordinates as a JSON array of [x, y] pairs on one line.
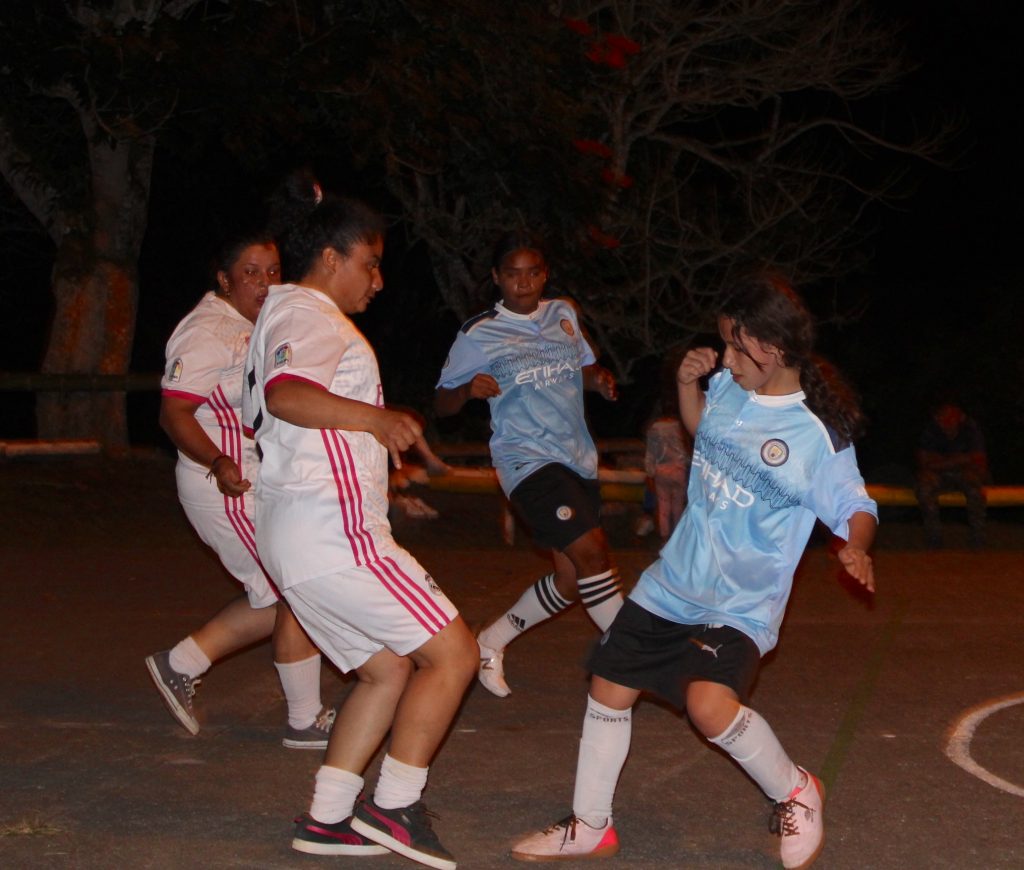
[[767, 308], [306, 220]]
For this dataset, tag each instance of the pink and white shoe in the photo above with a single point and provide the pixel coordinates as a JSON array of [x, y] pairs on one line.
[[799, 821], [569, 839]]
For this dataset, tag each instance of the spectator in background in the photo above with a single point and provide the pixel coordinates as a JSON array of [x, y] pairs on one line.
[[951, 457], [667, 466]]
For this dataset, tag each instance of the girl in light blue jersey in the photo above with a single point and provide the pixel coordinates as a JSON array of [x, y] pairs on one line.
[[772, 452], [528, 357]]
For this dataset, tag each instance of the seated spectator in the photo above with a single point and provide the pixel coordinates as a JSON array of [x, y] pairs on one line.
[[951, 457]]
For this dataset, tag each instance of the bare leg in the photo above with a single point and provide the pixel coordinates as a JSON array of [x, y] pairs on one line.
[[366, 716], [290, 641], [235, 626], [445, 665]]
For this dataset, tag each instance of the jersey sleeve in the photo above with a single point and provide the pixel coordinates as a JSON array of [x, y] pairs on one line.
[[568, 309], [465, 359], [301, 345], [838, 492], [196, 359]]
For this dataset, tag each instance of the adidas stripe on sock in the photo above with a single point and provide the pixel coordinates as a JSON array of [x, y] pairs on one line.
[[602, 596], [537, 604]]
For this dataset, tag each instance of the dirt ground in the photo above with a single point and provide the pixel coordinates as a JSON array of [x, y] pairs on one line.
[[100, 569]]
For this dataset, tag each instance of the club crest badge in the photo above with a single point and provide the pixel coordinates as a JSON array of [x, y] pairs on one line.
[[564, 513], [774, 452], [174, 375], [432, 585], [567, 326], [283, 356]]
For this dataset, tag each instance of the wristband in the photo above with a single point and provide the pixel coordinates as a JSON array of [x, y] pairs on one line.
[[213, 464]]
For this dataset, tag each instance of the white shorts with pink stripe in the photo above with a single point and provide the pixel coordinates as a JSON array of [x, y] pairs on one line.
[[391, 602], [226, 526]]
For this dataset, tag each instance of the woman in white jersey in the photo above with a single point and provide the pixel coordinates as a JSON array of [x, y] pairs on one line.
[[200, 410], [773, 451], [528, 357], [316, 407]]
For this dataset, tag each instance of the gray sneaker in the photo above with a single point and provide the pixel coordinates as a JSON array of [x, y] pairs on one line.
[[313, 737], [176, 689]]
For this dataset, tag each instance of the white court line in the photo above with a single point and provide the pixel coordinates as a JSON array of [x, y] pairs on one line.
[[958, 747]]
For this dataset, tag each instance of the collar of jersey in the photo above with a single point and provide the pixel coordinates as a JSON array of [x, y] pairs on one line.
[[777, 401], [533, 315]]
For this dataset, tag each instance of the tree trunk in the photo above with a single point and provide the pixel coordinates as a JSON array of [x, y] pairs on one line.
[[95, 286]]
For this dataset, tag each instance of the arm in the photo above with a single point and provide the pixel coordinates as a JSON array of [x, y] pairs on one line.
[[448, 402], [697, 363], [854, 556], [600, 380], [310, 406], [178, 420]]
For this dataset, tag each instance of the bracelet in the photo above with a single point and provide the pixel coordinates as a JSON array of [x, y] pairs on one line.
[[213, 464]]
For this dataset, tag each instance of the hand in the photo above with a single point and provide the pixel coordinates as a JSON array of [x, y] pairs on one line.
[[229, 479], [483, 386], [697, 363], [396, 431], [604, 383], [858, 565]]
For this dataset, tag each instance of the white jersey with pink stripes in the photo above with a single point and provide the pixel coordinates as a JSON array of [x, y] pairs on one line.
[[205, 365], [322, 493]]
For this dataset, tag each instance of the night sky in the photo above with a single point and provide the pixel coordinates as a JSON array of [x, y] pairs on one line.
[[943, 310]]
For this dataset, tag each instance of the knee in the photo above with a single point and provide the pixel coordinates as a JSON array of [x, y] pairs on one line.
[[711, 715]]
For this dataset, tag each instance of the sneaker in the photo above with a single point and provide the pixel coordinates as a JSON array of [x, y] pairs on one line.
[[321, 838], [569, 839], [313, 737], [405, 830], [176, 689], [492, 672], [800, 824]]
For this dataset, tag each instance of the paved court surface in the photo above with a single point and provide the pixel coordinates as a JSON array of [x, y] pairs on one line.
[[99, 569]]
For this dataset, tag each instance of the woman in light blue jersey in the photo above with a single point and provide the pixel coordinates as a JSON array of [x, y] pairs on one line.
[[529, 359], [773, 452]]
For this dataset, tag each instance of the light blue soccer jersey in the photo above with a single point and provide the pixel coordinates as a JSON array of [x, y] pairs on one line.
[[537, 360], [763, 468]]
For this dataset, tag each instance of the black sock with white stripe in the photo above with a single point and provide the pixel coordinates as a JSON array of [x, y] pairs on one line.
[[538, 603], [602, 596]]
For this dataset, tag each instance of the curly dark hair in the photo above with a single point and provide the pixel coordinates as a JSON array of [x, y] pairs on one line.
[[767, 308]]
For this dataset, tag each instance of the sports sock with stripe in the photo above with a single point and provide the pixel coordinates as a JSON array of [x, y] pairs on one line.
[[754, 746], [601, 594], [604, 746], [538, 603]]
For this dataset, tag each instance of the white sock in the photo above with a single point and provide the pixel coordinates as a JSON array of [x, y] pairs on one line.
[[188, 658], [537, 604], [604, 746], [602, 596], [754, 746], [335, 794], [301, 684], [399, 784]]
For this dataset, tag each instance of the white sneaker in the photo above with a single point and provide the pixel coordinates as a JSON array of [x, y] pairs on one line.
[[799, 822], [569, 839], [492, 672]]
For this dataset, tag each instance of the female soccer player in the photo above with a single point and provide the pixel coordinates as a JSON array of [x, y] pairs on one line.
[[317, 410], [773, 451], [200, 410], [529, 359]]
